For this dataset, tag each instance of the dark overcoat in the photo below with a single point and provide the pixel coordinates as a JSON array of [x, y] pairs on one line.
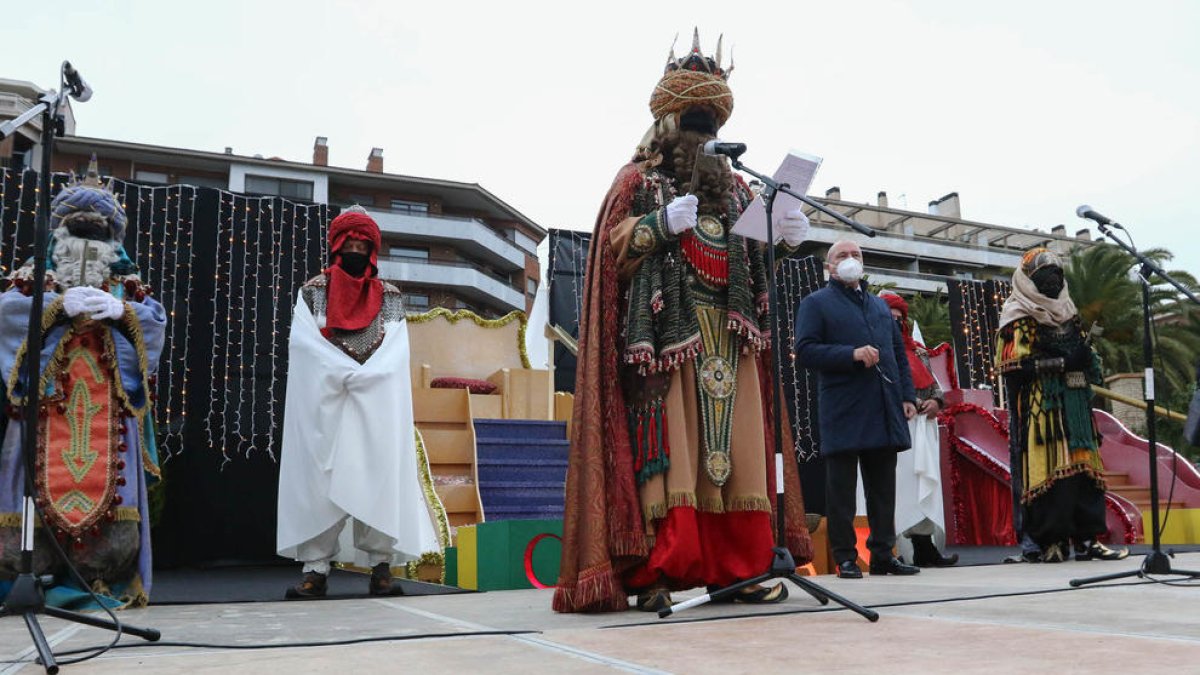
[[860, 409]]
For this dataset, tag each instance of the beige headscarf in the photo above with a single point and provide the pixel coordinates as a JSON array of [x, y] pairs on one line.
[[1026, 301]]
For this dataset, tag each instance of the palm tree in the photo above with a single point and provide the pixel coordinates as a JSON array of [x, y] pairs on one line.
[[1106, 294], [932, 314]]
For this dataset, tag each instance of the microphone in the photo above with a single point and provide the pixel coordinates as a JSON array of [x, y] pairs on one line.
[[1086, 211], [76, 86], [719, 147]]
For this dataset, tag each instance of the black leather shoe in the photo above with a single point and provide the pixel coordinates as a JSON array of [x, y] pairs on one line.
[[847, 569], [893, 566], [925, 553]]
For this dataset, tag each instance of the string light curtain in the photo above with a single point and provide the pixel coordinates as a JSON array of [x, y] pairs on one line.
[[795, 279], [974, 320], [226, 268]]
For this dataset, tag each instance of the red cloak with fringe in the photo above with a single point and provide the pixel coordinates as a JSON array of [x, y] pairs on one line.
[[604, 535]]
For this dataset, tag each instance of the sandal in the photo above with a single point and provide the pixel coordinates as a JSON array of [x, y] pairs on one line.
[[653, 601], [761, 595]]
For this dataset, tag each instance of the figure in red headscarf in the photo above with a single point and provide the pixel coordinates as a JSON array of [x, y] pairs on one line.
[[349, 452], [919, 514]]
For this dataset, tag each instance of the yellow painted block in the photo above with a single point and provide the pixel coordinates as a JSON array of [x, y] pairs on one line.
[[468, 557], [1183, 526]]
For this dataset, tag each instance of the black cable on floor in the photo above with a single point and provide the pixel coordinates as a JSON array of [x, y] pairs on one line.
[[906, 603], [314, 643]]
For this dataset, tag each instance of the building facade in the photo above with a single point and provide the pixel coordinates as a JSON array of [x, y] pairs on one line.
[[445, 243], [917, 252]]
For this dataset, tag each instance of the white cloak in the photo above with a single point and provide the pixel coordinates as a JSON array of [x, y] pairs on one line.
[[918, 485], [348, 443]]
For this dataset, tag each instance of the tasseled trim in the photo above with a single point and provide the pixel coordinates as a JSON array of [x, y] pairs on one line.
[[748, 503], [641, 355], [1086, 468], [710, 263], [658, 510], [748, 330], [648, 439], [596, 590], [674, 356], [763, 303]]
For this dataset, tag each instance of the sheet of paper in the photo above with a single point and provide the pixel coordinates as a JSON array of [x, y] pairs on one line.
[[797, 170]]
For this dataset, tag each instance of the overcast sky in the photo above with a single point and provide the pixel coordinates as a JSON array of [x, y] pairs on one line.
[[1026, 109]]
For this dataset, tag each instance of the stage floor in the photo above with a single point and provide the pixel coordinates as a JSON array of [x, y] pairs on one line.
[[983, 619]]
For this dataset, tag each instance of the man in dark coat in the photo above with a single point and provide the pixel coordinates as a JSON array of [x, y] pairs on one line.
[[865, 393]]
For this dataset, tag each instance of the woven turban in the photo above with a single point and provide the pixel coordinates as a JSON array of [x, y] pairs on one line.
[[1037, 258], [681, 89], [89, 199]]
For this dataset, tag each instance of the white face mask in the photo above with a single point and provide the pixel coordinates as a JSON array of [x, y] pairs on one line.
[[850, 270]]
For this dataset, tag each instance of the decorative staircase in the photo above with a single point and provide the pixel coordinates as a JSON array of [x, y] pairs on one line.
[[522, 468]]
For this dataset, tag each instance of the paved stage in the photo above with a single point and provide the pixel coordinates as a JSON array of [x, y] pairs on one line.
[[957, 620]]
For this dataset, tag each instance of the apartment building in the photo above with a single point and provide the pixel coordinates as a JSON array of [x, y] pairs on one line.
[[445, 243], [918, 251]]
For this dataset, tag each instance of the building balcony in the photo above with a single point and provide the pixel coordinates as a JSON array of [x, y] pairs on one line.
[[917, 247], [909, 282], [469, 281], [469, 235]]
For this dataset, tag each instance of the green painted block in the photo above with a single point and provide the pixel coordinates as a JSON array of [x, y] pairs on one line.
[[452, 566], [501, 553]]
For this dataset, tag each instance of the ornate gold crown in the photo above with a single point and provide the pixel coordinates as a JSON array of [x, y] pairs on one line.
[[697, 61]]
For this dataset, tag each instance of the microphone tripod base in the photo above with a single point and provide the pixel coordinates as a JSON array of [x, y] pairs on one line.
[[27, 599], [783, 566]]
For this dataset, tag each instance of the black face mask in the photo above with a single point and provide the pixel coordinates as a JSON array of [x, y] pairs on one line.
[[698, 119], [355, 263], [1049, 281], [88, 230]]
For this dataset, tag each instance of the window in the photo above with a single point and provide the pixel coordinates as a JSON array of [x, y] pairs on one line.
[[361, 200], [531, 287], [523, 240], [151, 177], [283, 187], [405, 206], [204, 181], [408, 252], [416, 300], [82, 169]]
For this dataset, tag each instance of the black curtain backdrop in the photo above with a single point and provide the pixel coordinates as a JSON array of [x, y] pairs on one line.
[[568, 263], [227, 268]]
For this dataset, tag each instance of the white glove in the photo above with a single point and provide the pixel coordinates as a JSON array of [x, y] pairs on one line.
[[681, 214], [76, 300], [105, 306], [792, 228]]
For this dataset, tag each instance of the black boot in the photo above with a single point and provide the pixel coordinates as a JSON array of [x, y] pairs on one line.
[[925, 553]]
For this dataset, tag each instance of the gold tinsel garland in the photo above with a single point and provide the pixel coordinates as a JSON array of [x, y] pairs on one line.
[[459, 315]]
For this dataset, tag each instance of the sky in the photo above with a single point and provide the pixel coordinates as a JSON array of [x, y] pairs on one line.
[[1026, 109]]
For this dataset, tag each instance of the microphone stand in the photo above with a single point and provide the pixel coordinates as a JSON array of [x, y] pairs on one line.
[[27, 598], [783, 566], [1155, 562]]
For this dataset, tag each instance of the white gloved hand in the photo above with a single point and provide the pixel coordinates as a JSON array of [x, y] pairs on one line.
[[792, 228], [76, 300], [105, 306], [681, 214]]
